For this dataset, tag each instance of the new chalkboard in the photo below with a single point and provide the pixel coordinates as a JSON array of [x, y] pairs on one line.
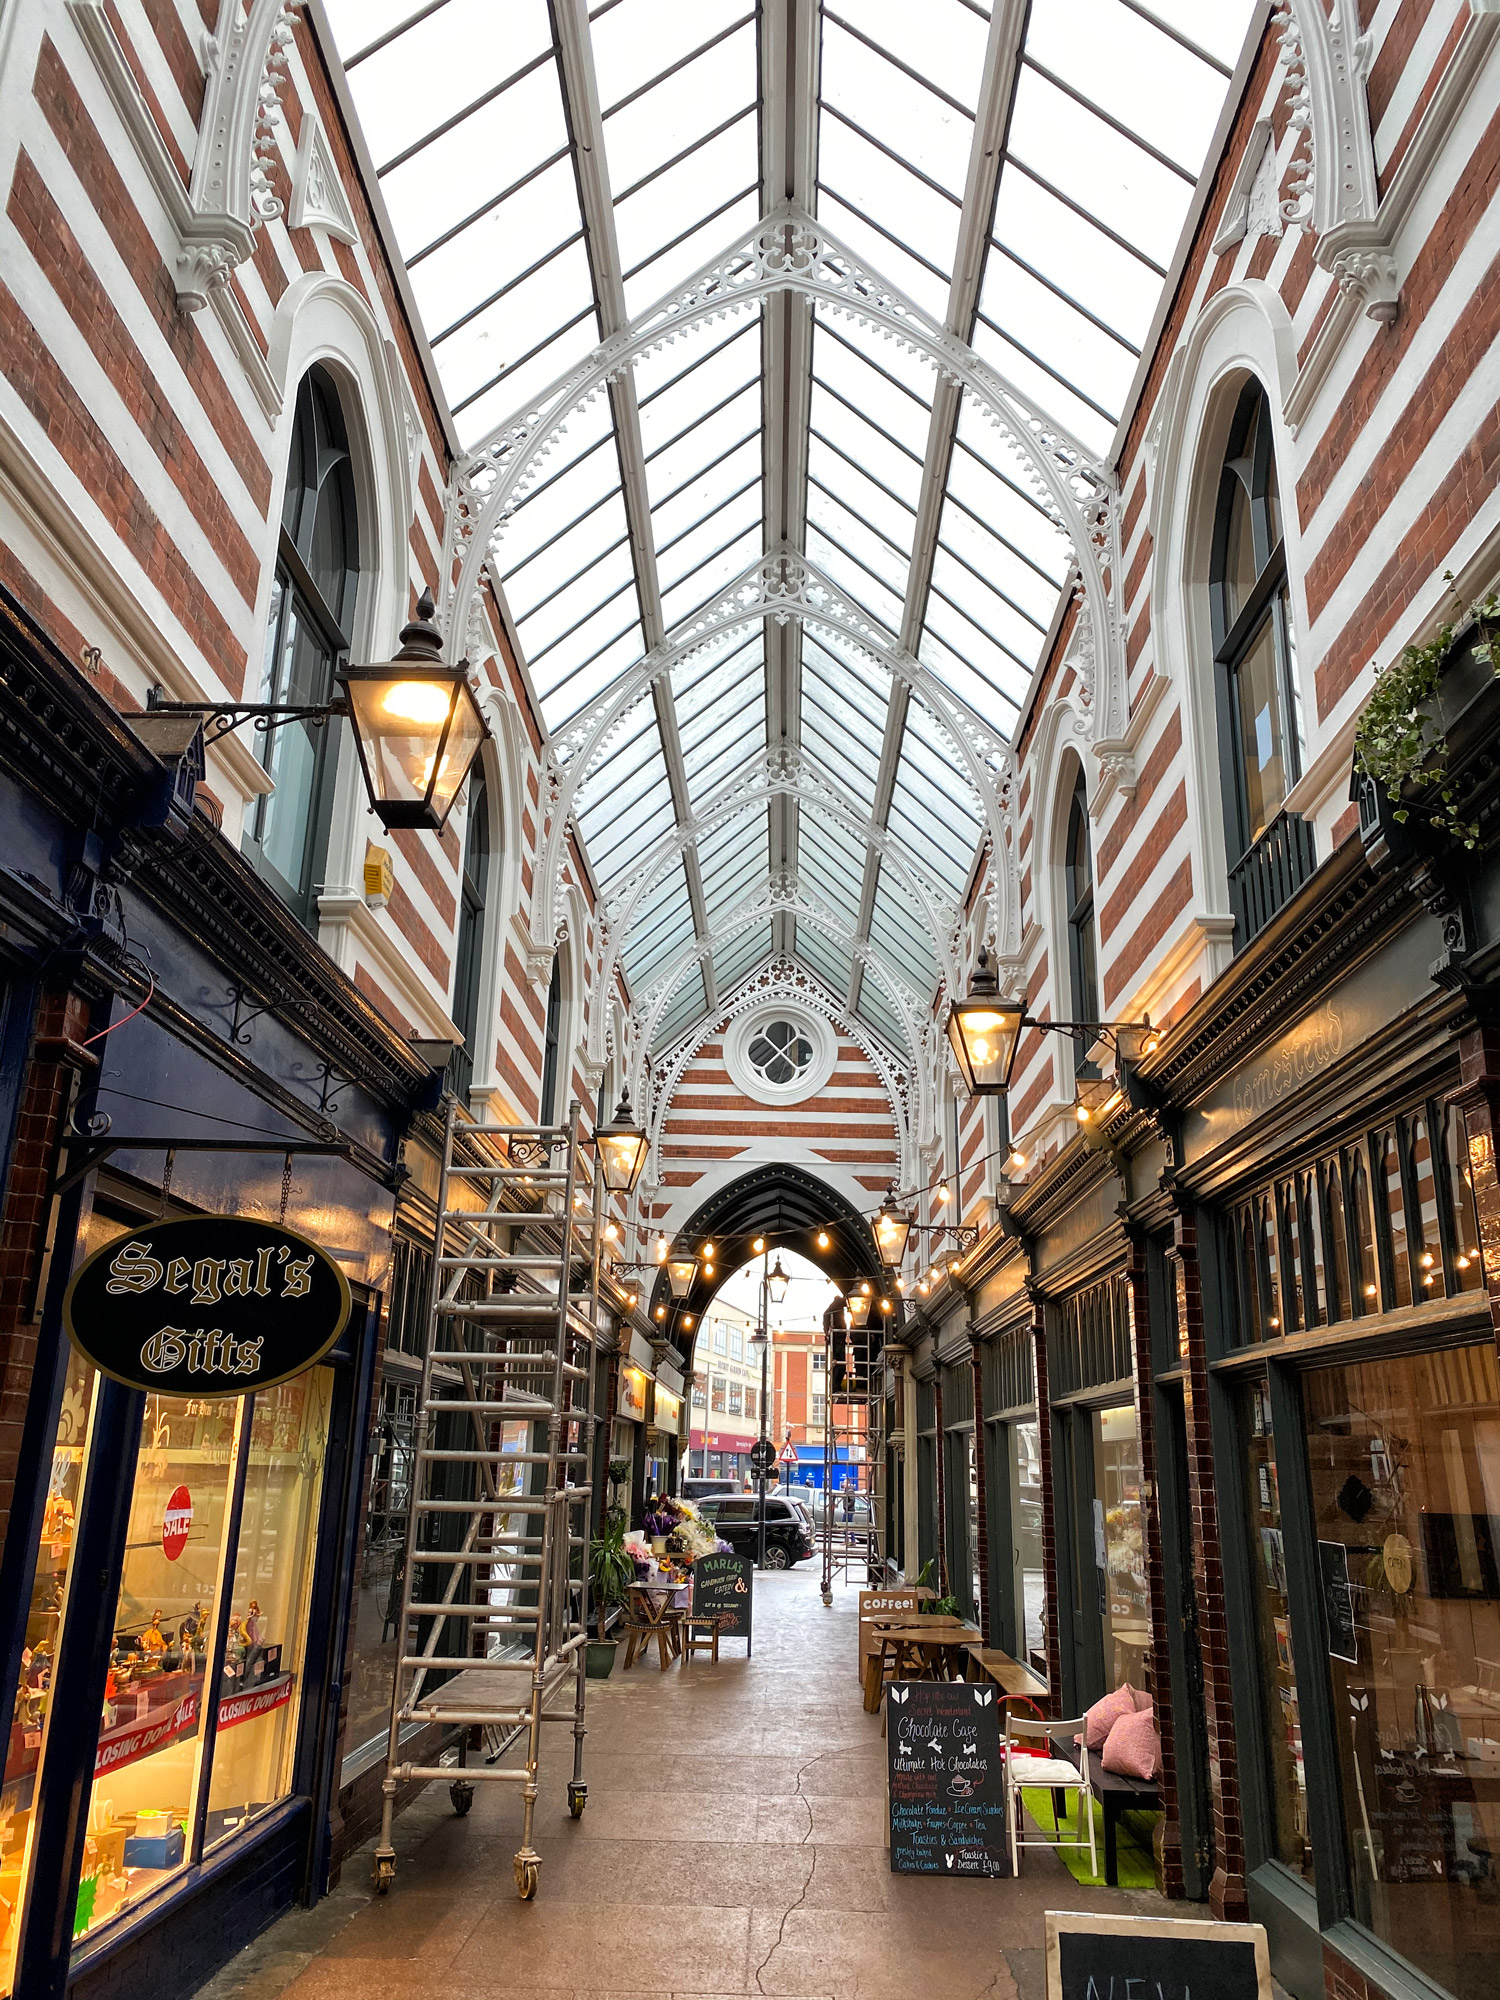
[[947, 1780], [723, 1588], [1093, 1957]]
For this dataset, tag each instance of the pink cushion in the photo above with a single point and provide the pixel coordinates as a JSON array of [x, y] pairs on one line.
[[1142, 1699], [1133, 1749], [1102, 1717]]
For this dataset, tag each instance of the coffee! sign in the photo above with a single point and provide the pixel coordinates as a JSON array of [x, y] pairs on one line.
[[224, 1304]]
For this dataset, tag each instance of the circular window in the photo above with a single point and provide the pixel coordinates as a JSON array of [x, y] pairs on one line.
[[779, 1054]]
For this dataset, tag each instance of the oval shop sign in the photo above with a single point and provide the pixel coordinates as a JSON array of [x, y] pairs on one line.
[[217, 1304]]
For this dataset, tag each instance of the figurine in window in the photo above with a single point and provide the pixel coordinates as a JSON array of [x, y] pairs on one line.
[[254, 1634], [154, 1642], [235, 1648]]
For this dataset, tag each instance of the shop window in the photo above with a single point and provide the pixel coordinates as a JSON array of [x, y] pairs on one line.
[[1078, 876], [468, 956], [140, 1812], [752, 1401], [1404, 1457], [406, 1309], [273, 1569], [1335, 1241], [1120, 1545], [1270, 851], [700, 1393], [1026, 1530], [736, 1399], [819, 1408], [308, 633], [377, 1602], [1092, 1344], [716, 1395], [1282, 1722], [29, 1721]]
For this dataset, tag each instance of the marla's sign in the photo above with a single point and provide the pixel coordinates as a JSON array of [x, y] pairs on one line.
[[223, 1304]]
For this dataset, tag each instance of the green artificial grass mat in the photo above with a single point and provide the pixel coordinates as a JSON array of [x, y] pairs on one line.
[[1134, 1865]]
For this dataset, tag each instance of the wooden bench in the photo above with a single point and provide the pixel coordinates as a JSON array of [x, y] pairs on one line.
[[1118, 1795], [1012, 1676]]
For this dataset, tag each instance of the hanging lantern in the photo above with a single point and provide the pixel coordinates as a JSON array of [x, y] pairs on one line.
[[892, 1229], [983, 1032], [777, 1282], [417, 726], [622, 1148], [681, 1272], [857, 1305]]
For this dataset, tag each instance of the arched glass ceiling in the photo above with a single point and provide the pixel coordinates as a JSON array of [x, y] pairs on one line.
[[1022, 173]]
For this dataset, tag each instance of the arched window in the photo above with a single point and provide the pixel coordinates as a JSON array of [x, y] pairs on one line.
[[1078, 890], [307, 634], [469, 953], [1259, 725], [550, 1048]]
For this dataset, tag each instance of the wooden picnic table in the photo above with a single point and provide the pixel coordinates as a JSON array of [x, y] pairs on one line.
[[652, 1616], [926, 1646]]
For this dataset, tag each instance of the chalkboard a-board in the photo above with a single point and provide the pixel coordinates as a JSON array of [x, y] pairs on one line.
[[724, 1588], [1092, 1957], [946, 1779]]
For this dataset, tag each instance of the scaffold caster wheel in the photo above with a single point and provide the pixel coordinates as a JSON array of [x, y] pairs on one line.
[[828, 1598], [385, 1872], [527, 1868], [578, 1798], [462, 1794]]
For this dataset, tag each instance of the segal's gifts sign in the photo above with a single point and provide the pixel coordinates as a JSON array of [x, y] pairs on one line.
[[226, 1304]]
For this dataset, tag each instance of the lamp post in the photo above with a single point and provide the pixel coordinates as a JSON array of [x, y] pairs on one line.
[[761, 1339]]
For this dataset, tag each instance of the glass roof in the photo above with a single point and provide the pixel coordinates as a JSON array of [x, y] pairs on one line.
[[558, 170]]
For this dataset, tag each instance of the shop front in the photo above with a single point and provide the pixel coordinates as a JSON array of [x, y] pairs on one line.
[[212, 1115]]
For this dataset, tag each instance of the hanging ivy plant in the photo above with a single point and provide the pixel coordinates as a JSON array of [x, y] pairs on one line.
[[1399, 744]]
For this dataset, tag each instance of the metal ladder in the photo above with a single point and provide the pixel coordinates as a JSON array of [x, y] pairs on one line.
[[493, 1599], [854, 1375]]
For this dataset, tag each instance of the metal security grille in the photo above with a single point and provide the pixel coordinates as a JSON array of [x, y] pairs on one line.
[[492, 1630], [1091, 1342]]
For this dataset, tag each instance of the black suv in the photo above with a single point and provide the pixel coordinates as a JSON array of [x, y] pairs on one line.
[[788, 1539]]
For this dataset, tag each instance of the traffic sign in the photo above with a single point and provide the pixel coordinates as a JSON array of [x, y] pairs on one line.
[[762, 1457]]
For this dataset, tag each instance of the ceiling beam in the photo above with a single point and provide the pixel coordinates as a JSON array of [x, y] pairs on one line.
[[575, 57], [997, 89], [789, 50]]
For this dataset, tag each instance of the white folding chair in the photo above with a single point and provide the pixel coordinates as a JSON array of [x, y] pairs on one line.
[[1045, 1770]]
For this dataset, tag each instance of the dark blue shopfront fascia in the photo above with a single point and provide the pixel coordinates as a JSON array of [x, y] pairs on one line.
[[811, 1466], [212, 1061]]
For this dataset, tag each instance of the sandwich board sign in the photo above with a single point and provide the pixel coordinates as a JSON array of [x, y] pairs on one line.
[[946, 1781], [1095, 1957]]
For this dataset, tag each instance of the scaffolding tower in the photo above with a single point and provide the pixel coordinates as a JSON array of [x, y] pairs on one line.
[[491, 1640], [854, 1420]]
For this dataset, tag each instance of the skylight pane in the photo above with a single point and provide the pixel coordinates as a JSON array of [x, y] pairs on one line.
[[837, 473], [714, 199], [899, 934], [921, 126], [1133, 71], [736, 959], [831, 857], [882, 604], [875, 1010], [496, 248], [704, 584], [881, 456], [684, 104], [901, 259], [503, 332], [1036, 319], [461, 51], [829, 958], [1074, 254], [687, 1006], [1105, 174], [594, 673], [900, 407]]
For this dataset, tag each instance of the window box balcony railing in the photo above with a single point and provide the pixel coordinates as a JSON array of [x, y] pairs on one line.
[[1271, 873]]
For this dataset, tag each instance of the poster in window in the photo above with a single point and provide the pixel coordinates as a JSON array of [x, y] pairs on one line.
[[1338, 1602]]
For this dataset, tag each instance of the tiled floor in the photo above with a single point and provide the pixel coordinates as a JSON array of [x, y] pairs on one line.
[[733, 1845]]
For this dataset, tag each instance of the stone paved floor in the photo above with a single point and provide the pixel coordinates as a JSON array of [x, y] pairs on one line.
[[733, 1845]]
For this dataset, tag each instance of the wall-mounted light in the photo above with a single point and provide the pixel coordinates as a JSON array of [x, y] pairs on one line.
[[622, 1146], [681, 1271]]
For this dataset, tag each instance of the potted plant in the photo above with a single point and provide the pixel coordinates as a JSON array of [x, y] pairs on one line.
[[611, 1573]]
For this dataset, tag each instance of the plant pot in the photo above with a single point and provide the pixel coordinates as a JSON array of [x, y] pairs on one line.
[[658, 1545], [600, 1663]]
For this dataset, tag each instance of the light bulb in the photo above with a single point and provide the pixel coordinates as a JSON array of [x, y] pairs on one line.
[[422, 702], [758, 1245], [708, 1252], [708, 1270], [661, 1312], [1084, 1114], [942, 1194], [1018, 1160], [1369, 1291], [822, 1239]]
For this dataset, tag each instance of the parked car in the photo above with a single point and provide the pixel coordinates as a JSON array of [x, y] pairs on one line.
[[701, 1489], [788, 1535]]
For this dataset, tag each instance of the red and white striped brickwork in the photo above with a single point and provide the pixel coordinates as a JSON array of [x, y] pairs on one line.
[[712, 1133], [143, 453], [1387, 440]]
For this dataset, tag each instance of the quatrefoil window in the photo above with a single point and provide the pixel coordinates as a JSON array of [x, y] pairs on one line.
[[779, 1053]]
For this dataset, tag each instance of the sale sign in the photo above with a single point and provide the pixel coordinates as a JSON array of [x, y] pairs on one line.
[[175, 1522]]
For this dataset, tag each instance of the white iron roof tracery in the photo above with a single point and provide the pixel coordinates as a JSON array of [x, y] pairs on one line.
[[888, 404]]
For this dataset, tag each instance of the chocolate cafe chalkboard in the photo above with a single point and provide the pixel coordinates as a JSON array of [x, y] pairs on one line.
[[1095, 1957], [946, 1779], [215, 1303], [724, 1588]]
